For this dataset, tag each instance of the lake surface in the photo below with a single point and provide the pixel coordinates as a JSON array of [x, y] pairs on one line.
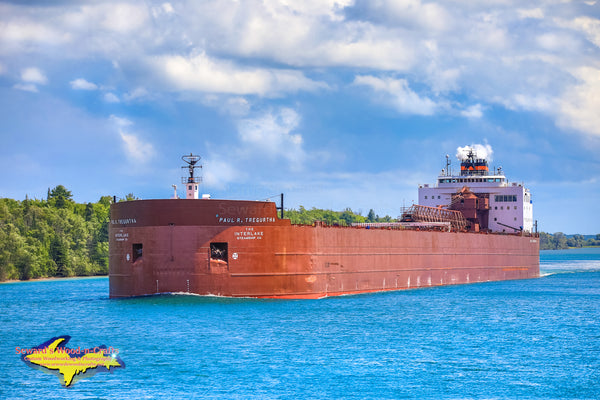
[[527, 339]]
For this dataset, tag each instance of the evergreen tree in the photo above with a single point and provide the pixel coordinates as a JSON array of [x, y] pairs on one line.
[[371, 216], [61, 196], [89, 211], [59, 254]]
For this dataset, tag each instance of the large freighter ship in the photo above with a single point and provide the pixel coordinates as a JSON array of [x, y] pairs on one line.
[[472, 227]]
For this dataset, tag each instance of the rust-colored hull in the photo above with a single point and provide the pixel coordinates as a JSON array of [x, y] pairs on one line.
[[269, 258]]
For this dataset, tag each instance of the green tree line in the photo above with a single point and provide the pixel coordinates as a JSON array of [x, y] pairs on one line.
[[341, 218], [559, 241], [53, 237]]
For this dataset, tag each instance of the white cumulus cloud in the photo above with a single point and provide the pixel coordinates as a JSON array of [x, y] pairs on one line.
[[534, 13], [82, 84], [272, 135], [579, 107], [474, 111], [135, 148], [26, 87], [397, 94], [163, 9], [589, 26], [116, 17], [23, 31], [235, 106], [206, 74], [219, 173], [111, 98], [136, 93], [34, 75], [31, 77], [508, 53]]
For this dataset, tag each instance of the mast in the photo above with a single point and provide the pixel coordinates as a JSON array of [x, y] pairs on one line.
[[191, 182]]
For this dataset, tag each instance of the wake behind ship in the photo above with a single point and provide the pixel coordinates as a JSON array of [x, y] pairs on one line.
[[472, 227]]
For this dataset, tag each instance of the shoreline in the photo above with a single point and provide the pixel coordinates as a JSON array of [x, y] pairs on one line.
[[573, 248], [53, 278]]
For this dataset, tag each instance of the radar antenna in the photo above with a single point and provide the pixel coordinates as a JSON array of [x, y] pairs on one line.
[[191, 160], [191, 181]]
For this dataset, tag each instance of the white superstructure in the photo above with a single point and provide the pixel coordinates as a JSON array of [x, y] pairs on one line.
[[510, 203]]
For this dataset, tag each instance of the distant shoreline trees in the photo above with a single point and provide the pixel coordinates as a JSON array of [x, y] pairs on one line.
[[340, 218], [55, 237], [560, 241]]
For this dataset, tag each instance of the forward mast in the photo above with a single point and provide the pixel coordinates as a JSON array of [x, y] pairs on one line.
[[191, 182]]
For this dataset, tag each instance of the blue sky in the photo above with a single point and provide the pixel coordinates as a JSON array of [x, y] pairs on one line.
[[335, 103]]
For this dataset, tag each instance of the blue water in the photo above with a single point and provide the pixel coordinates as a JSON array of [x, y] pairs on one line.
[[529, 339]]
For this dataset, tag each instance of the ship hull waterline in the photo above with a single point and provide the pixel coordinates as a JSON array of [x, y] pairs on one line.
[[241, 249]]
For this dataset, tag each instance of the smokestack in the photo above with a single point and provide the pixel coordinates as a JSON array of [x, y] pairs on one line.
[[482, 151]]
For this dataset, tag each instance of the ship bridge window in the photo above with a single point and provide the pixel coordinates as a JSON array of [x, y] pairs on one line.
[[505, 197], [137, 251], [218, 251]]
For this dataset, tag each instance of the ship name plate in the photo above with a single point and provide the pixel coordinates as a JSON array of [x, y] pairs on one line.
[[123, 221], [243, 220], [249, 234], [121, 236]]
